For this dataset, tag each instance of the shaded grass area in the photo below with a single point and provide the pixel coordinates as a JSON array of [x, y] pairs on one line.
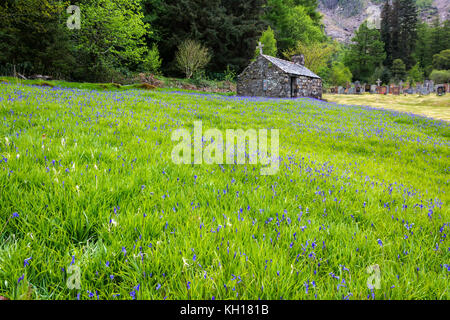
[[169, 85], [431, 105], [87, 180]]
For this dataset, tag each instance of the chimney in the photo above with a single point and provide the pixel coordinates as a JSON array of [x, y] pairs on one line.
[[298, 59]]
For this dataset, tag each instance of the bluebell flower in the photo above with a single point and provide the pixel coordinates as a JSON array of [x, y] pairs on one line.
[[25, 262]]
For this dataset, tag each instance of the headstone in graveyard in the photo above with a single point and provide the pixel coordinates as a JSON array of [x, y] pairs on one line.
[[440, 90], [378, 82], [351, 90], [332, 90], [368, 88], [341, 90], [431, 86], [373, 88], [395, 90], [358, 90]]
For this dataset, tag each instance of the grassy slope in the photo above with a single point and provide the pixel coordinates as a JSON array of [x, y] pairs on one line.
[[91, 177], [169, 85]]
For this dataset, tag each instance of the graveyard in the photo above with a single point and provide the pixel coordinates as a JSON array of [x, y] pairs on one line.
[[431, 105]]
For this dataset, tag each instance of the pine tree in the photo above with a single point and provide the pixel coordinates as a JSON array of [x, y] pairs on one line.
[[385, 31], [366, 53], [408, 31], [394, 24]]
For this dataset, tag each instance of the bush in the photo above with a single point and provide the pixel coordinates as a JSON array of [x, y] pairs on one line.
[[152, 62], [340, 74], [191, 57], [441, 61], [415, 74], [230, 74], [440, 76]]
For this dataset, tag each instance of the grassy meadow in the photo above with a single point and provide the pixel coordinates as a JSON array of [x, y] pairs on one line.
[[432, 105], [87, 180]]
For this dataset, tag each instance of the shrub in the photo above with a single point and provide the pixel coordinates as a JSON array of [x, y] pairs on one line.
[[440, 76], [191, 57], [152, 62], [340, 74]]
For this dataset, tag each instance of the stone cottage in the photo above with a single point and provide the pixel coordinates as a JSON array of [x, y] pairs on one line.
[[272, 77]]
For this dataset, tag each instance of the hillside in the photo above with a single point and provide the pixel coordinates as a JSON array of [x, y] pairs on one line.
[[342, 17]]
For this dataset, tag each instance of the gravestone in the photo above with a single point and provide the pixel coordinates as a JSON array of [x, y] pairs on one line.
[[424, 90], [351, 90], [341, 90], [378, 82], [395, 90], [409, 91], [368, 88], [373, 88], [429, 86], [440, 90]]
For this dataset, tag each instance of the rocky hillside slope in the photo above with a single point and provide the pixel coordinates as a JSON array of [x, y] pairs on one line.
[[342, 17]]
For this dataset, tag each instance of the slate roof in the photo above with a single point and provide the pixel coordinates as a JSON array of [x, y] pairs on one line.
[[291, 67]]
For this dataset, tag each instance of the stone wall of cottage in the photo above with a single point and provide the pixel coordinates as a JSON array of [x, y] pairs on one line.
[[263, 79], [251, 81], [308, 87]]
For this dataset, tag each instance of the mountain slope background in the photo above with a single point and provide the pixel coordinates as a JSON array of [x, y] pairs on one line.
[[341, 18]]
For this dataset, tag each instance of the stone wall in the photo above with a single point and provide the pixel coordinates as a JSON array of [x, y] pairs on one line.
[[308, 87], [263, 79]]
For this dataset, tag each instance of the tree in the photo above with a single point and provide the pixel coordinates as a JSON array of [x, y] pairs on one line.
[[399, 31], [415, 74], [229, 28], [316, 54], [398, 70], [365, 53], [408, 31], [33, 38], [385, 31], [152, 61], [111, 39], [440, 76], [441, 61], [191, 57], [340, 74], [294, 21], [422, 52], [269, 42]]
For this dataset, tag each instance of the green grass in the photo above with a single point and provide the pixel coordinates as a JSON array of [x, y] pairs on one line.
[[90, 176], [170, 84]]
